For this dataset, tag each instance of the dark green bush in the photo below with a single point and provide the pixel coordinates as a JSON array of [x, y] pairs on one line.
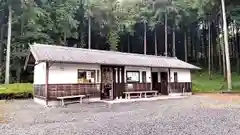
[[16, 91]]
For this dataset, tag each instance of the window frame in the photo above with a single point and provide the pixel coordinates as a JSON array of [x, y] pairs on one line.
[[86, 70], [129, 71]]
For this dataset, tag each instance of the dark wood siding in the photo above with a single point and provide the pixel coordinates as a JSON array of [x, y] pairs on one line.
[[180, 87], [138, 86], [119, 88], [174, 87], [39, 90], [58, 90]]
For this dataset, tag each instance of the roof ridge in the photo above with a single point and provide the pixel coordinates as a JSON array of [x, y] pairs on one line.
[[103, 51]]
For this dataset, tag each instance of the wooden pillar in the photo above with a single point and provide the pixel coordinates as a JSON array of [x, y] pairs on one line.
[[122, 78], [118, 74], [123, 75], [169, 81], [151, 88], [46, 82], [113, 82]]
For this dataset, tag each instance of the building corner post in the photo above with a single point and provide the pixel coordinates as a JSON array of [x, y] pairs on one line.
[[46, 82], [169, 81]]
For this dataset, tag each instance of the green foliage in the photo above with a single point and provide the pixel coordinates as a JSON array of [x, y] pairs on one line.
[[16, 88], [235, 13], [53, 22], [201, 82]]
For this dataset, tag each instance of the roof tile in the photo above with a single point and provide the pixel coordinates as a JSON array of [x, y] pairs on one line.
[[42, 52]]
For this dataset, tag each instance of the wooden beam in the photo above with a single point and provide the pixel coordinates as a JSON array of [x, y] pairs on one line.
[[46, 82]]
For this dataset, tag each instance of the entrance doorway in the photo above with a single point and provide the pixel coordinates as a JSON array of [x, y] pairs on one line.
[[107, 82], [112, 82], [164, 83], [154, 80]]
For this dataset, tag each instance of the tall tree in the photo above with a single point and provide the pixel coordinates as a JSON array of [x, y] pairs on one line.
[[7, 71], [229, 80], [89, 26], [209, 50], [166, 33]]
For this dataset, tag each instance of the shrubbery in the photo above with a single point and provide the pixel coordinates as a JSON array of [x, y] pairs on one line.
[[16, 91]]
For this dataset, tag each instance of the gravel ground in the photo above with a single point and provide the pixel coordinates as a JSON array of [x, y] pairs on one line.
[[195, 115]]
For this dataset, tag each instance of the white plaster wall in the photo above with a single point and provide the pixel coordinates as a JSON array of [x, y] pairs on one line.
[[39, 73], [184, 75], [131, 68], [60, 73]]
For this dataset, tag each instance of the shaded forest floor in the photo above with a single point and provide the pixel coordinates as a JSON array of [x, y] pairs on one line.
[[202, 83]]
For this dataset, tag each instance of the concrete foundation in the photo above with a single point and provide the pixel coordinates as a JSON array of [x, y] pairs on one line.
[[57, 103]]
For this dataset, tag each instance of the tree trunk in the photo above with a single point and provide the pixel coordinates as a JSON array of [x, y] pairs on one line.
[[155, 33], [89, 32], [1, 44], [65, 38], [7, 70], [212, 47], [174, 42], [191, 43], [128, 43], [219, 49], [224, 60], [155, 41], [166, 34], [18, 75], [209, 51], [185, 46], [237, 51], [233, 43], [82, 42], [145, 38], [1, 52], [220, 59], [229, 76], [205, 43]]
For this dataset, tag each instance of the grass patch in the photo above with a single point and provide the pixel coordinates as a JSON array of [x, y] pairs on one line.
[[17, 90], [202, 83]]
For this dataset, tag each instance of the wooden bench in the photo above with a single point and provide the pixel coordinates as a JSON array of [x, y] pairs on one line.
[[71, 97], [128, 94]]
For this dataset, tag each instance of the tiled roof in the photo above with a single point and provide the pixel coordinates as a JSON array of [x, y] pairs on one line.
[[42, 52]]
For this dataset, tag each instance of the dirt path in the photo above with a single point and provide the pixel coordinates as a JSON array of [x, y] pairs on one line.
[[196, 115], [2, 111], [223, 97]]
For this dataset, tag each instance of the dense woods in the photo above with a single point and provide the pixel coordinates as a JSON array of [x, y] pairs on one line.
[[191, 30]]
